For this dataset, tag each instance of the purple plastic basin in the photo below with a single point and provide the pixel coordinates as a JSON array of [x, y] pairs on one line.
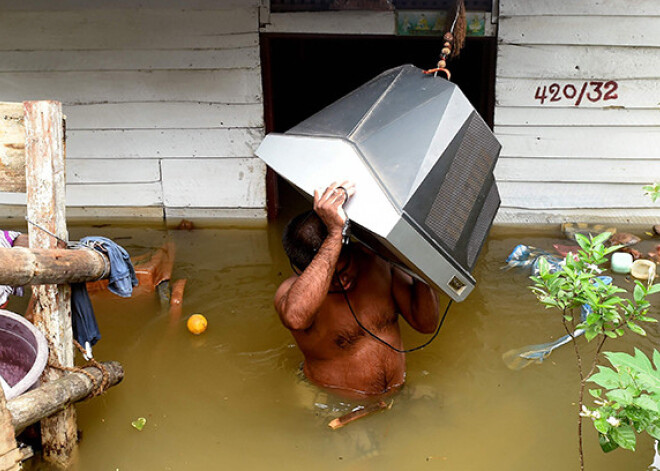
[[23, 354]]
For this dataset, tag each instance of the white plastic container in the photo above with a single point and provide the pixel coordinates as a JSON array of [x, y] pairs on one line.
[[621, 262]]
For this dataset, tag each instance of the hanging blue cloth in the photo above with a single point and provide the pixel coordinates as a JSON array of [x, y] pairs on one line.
[[122, 277], [85, 328]]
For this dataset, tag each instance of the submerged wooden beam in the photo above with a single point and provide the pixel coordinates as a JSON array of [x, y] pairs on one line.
[[45, 181], [52, 397], [21, 266]]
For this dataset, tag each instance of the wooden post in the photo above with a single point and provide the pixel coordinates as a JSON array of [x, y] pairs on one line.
[[10, 456], [20, 266], [45, 182]]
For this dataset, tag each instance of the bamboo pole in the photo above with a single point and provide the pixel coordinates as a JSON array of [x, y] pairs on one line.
[[45, 182], [49, 398], [21, 266]]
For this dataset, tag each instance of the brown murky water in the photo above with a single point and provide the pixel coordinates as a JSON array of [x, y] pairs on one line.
[[232, 399]]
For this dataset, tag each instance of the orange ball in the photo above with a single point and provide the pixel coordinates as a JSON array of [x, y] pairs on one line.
[[197, 324]]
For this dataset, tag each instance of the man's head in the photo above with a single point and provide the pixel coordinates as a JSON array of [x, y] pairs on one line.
[[302, 238]]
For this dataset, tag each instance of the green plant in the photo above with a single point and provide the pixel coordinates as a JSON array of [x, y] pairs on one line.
[[653, 191], [632, 401], [609, 315]]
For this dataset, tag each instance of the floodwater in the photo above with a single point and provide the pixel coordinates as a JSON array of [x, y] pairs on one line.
[[231, 398]]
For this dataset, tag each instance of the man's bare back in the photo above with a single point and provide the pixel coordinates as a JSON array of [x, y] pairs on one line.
[[339, 354]]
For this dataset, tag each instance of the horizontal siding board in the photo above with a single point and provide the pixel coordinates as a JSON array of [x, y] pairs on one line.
[[172, 143], [135, 28], [48, 61], [118, 194], [112, 170], [631, 93], [568, 142], [587, 117], [163, 116], [577, 62], [580, 7], [576, 170], [62, 5], [332, 22], [580, 30], [219, 86], [214, 183], [540, 195], [599, 216]]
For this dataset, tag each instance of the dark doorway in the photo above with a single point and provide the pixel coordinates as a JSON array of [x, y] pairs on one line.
[[304, 73]]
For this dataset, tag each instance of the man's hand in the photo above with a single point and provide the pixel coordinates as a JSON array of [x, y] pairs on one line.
[[329, 205]]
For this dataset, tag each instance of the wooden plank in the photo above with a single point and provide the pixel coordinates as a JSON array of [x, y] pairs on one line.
[[579, 8], [12, 147], [228, 183], [44, 127], [332, 22], [63, 5], [52, 397], [9, 456], [118, 194], [164, 115], [610, 216], [567, 142], [112, 171], [577, 62], [576, 170], [205, 86], [135, 28], [91, 60], [559, 196], [588, 117], [580, 30], [641, 94], [172, 143]]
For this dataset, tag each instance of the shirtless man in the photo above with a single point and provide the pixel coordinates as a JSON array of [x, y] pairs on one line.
[[339, 354]]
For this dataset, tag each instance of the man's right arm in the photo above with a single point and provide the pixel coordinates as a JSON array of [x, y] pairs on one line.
[[299, 298]]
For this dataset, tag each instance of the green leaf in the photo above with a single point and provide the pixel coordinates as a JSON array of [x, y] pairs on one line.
[[635, 328], [139, 423], [582, 241], [596, 393], [607, 444], [638, 292], [606, 377], [654, 431], [622, 396], [654, 289], [624, 436], [610, 334], [602, 426], [646, 402], [601, 238]]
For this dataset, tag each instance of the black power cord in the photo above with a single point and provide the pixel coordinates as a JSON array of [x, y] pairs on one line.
[[419, 347]]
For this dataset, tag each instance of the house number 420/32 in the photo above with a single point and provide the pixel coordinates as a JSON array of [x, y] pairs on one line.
[[594, 91]]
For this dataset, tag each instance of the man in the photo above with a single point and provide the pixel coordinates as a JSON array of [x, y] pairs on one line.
[[336, 281]]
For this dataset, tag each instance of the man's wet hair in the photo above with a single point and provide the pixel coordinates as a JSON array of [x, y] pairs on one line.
[[302, 238]]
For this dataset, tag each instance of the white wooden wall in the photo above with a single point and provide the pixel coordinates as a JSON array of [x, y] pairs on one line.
[[578, 156], [163, 100]]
